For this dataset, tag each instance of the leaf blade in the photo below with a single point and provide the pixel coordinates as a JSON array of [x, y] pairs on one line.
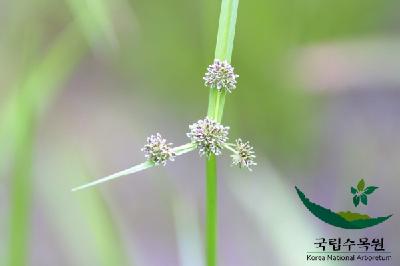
[[185, 148], [131, 170]]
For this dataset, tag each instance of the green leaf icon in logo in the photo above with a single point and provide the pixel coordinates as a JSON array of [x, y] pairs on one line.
[[361, 193], [369, 190], [361, 185], [364, 199], [356, 200]]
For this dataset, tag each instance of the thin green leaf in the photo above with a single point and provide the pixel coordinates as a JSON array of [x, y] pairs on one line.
[[364, 199], [132, 170], [369, 190], [361, 185], [353, 190], [356, 200], [137, 168]]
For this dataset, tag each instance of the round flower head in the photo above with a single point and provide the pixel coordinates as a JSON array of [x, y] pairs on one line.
[[209, 136], [220, 75], [157, 150], [244, 155]]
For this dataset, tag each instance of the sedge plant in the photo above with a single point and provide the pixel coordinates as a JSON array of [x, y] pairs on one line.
[[207, 135]]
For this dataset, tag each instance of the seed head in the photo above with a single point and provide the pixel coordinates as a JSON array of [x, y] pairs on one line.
[[244, 155], [220, 75], [209, 136], [158, 150]]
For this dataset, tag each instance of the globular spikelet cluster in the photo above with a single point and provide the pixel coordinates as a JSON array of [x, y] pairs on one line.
[[157, 150], [220, 75], [244, 155], [209, 136]]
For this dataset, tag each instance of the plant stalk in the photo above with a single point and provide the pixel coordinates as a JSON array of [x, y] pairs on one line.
[[223, 51], [212, 208]]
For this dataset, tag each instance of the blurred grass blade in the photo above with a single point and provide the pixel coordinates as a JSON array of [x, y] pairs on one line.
[[188, 232], [39, 87], [17, 131], [83, 217], [94, 19], [21, 191]]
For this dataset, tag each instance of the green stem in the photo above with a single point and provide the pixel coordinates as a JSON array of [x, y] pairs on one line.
[[223, 51], [212, 217]]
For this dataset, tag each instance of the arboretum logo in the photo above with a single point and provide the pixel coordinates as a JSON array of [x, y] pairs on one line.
[[346, 219], [362, 249]]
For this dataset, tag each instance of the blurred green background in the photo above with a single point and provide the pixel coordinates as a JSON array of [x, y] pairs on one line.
[[83, 82]]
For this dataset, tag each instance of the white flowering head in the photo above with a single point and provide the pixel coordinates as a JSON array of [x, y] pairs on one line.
[[220, 75], [157, 150], [244, 155], [209, 136]]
